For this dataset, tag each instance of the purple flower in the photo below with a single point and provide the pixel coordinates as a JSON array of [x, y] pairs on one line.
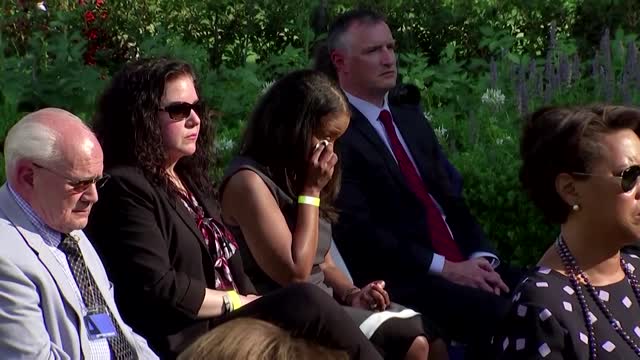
[[473, 128], [628, 78], [549, 75], [533, 70], [606, 68], [594, 67], [564, 73], [514, 77], [523, 96], [552, 35], [625, 83], [493, 74], [539, 85], [533, 77], [631, 65], [575, 68]]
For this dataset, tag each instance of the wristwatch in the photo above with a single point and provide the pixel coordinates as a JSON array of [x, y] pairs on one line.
[[226, 304]]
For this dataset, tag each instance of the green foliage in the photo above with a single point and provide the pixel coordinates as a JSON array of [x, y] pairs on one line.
[[446, 49], [49, 71], [506, 214]]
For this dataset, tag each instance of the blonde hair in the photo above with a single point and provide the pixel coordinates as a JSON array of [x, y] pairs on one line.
[[253, 339]]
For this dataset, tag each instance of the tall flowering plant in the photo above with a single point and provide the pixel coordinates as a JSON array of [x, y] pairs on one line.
[[94, 15]]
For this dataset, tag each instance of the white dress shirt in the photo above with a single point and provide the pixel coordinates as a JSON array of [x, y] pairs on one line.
[[372, 112]]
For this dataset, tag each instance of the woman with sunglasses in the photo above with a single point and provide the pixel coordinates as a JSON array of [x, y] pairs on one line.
[[580, 166], [157, 226]]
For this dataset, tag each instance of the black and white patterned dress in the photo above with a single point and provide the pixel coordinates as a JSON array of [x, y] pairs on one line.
[[546, 320]]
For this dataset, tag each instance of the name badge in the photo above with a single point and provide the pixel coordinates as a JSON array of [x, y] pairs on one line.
[[99, 325]]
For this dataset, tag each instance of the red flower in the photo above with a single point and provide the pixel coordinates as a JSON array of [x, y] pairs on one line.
[[103, 15], [99, 3], [89, 59], [90, 55], [93, 34], [80, 2], [89, 17]]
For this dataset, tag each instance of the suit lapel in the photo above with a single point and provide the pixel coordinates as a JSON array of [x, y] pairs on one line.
[[19, 219], [209, 206], [362, 125], [187, 218]]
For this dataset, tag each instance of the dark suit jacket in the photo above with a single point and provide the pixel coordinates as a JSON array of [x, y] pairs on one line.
[[157, 258], [382, 231]]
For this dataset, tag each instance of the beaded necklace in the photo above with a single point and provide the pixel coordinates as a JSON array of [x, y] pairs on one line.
[[575, 273]]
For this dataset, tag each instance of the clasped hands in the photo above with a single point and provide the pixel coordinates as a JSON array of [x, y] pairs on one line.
[[371, 297]]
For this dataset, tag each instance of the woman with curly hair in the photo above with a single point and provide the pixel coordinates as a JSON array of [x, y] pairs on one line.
[[176, 268]]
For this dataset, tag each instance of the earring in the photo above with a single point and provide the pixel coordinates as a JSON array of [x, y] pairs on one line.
[[575, 207]]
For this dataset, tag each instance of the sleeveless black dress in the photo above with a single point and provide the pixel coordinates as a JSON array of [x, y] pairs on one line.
[[391, 331]]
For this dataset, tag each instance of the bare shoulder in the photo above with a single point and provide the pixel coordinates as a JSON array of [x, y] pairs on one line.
[[245, 182], [243, 190]]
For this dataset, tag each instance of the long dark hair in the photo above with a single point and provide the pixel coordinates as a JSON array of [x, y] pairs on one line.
[[128, 128], [278, 135]]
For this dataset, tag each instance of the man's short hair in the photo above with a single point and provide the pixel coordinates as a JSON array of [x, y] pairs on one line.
[[30, 139], [342, 23]]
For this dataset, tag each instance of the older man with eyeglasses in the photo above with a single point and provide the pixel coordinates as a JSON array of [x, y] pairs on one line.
[[56, 301]]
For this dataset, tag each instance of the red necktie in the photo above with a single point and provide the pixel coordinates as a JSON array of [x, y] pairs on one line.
[[441, 238]]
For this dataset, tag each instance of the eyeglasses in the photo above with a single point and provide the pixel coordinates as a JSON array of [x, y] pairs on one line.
[[182, 110], [79, 185], [628, 177]]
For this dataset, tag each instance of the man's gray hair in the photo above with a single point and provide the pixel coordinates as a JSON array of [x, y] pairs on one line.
[[33, 140]]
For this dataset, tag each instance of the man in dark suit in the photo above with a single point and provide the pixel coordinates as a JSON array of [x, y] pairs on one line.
[[402, 215]]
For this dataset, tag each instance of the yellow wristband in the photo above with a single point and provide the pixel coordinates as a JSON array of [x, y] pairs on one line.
[[309, 200], [235, 300]]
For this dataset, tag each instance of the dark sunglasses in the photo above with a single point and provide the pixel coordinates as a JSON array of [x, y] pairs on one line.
[[79, 185], [628, 177], [182, 110]]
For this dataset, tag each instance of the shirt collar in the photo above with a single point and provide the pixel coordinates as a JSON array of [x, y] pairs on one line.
[[369, 110], [50, 236]]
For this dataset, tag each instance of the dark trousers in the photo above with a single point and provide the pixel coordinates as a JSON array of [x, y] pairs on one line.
[[458, 313], [308, 312]]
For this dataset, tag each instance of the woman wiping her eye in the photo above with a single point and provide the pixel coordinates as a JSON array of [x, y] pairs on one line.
[[277, 199]]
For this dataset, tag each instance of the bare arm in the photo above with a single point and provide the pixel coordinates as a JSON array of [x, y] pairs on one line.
[[211, 304], [335, 278], [286, 255], [283, 255], [371, 297]]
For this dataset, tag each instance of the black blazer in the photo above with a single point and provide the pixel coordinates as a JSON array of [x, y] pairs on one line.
[[157, 259], [382, 230]]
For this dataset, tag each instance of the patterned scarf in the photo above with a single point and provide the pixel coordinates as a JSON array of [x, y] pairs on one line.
[[219, 240]]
